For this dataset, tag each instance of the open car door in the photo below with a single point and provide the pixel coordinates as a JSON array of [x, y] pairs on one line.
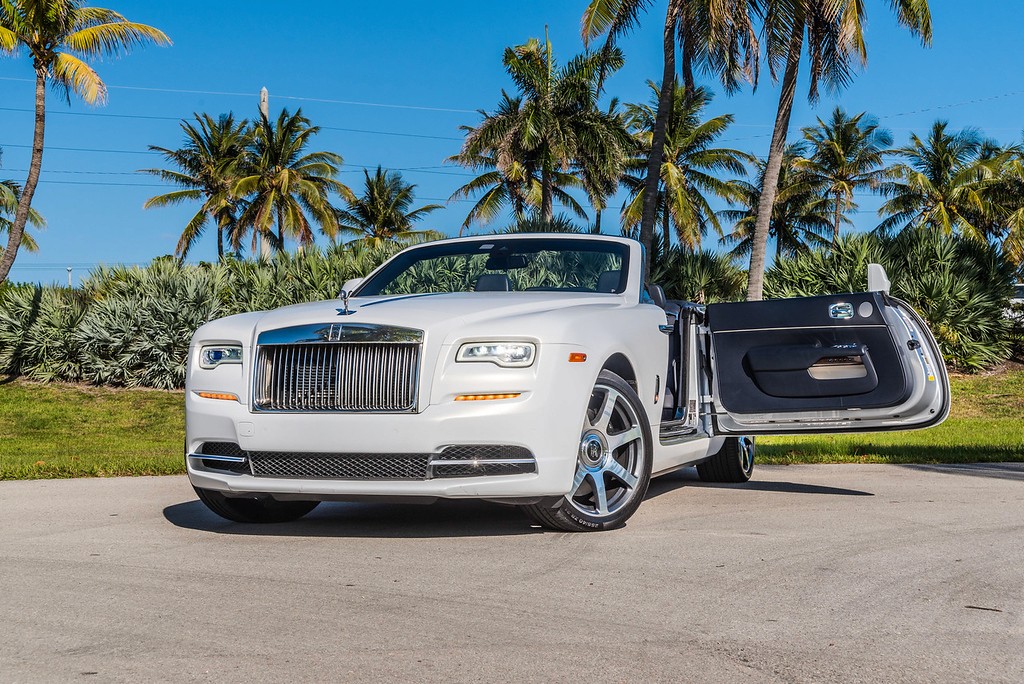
[[835, 363]]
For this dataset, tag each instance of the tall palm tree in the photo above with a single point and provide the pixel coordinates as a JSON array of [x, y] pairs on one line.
[[801, 215], [509, 177], [846, 155], [10, 195], [208, 166], [941, 183], [287, 185], [689, 164], [831, 32], [716, 36], [383, 213], [554, 123], [50, 31]]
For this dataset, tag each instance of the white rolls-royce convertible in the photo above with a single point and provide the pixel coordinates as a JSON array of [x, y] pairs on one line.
[[536, 370]]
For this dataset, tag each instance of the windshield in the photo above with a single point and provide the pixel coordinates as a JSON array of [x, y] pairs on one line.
[[503, 265]]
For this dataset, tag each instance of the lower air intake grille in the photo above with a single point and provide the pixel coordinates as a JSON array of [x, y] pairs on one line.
[[339, 466], [464, 460], [223, 449]]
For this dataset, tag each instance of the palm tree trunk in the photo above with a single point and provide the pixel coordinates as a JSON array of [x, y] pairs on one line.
[[280, 229], [837, 217], [597, 221], [770, 185], [17, 228], [220, 237], [653, 178], [546, 203], [666, 236]]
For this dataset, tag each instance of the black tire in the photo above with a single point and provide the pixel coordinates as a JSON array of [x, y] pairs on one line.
[[253, 510], [621, 472], [734, 462]]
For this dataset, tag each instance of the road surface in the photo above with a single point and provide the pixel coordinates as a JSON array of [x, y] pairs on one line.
[[809, 573]]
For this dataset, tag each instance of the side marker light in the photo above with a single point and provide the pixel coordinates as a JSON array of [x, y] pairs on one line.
[[577, 357]]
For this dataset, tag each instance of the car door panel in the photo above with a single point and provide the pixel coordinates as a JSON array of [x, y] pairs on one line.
[[860, 361]]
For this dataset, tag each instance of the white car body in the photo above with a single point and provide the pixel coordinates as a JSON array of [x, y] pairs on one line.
[[538, 409]]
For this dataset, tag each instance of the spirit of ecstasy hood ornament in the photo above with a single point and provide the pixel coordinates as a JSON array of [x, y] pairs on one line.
[[344, 300]]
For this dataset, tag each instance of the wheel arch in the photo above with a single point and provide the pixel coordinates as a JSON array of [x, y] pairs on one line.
[[619, 364]]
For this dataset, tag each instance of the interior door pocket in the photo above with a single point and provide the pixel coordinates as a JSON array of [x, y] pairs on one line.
[[812, 370]]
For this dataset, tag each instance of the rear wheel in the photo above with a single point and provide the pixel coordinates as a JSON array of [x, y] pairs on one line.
[[254, 510], [734, 462], [613, 466]]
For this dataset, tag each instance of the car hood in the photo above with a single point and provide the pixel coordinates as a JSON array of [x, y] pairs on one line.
[[438, 314]]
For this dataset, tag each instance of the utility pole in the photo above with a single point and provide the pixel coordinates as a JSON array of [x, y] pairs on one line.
[[265, 113]]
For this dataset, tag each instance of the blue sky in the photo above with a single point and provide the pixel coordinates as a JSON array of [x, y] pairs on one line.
[[432, 65]]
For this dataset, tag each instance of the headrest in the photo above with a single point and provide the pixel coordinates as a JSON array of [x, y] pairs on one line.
[[493, 282]]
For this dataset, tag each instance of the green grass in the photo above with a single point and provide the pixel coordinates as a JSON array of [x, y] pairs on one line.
[[986, 424], [55, 430]]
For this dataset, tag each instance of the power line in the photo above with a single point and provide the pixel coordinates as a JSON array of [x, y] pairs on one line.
[[296, 98], [175, 118]]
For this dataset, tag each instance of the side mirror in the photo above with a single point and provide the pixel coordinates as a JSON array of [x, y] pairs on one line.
[[878, 281], [351, 284]]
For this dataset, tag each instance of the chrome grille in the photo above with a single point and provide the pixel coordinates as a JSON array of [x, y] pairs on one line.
[[346, 376]]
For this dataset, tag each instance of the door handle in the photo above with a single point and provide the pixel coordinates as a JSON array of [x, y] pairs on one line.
[[841, 311]]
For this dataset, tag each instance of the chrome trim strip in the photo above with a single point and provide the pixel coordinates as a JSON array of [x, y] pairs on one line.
[[212, 457], [341, 333], [482, 461]]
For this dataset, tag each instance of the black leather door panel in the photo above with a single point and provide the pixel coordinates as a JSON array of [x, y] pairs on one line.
[[792, 355]]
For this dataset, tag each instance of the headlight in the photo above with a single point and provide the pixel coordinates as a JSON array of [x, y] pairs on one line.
[[504, 354], [215, 355]]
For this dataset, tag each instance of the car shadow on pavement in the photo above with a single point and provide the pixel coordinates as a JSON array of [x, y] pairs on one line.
[[687, 477], [396, 521]]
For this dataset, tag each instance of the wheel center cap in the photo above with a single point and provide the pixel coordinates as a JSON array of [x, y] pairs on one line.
[[592, 449]]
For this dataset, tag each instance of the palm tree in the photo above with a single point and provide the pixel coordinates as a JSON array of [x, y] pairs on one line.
[[688, 164], [800, 216], [832, 34], [846, 155], [942, 184], [208, 166], [382, 213], [1005, 195], [286, 184], [512, 184], [50, 31], [554, 126], [714, 35], [10, 195]]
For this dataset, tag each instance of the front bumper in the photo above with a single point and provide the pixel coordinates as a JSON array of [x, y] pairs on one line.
[[548, 426]]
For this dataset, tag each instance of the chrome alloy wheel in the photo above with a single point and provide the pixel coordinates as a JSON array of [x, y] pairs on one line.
[[746, 448], [611, 455]]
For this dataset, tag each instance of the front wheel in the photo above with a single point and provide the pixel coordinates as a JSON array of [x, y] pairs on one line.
[[734, 462], [253, 510], [613, 466]]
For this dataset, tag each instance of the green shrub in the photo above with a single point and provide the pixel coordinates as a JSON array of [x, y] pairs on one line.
[[137, 333], [698, 276], [960, 286]]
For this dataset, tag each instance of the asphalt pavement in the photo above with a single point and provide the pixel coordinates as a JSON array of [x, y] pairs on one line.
[[847, 573]]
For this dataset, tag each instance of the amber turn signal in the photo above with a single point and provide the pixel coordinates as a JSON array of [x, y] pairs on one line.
[[486, 397], [218, 395], [577, 357]]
